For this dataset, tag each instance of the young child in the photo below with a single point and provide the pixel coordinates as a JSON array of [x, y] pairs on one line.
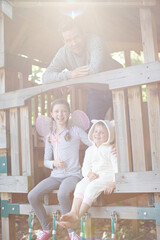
[[63, 144], [99, 168]]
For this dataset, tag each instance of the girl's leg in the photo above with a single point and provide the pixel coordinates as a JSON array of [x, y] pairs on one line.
[[96, 187], [35, 199], [64, 194], [80, 207], [71, 219], [83, 209], [73, 215]]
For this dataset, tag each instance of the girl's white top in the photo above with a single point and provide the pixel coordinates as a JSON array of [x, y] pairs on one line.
[[100, 159]]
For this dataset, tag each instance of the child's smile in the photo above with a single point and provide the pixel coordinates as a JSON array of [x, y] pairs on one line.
[[100, 135], [60, 114]]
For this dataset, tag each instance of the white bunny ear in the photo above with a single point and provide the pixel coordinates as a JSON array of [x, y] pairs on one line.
[[43, 125], [112, 123], [94, 121], [80, 119]]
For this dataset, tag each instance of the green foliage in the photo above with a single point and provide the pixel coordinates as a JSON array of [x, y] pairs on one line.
[[119, 57], [36, 75], [136, 58]]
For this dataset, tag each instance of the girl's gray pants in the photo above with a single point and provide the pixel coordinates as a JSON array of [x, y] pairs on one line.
[[65, 185]]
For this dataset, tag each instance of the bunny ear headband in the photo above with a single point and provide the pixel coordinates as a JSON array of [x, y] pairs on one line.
[[78, 118], [112, 122]]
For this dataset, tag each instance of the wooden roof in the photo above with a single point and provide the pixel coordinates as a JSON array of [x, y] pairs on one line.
[[33, 32]]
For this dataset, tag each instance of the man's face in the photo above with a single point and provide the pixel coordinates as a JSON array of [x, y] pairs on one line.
[[74, 40]]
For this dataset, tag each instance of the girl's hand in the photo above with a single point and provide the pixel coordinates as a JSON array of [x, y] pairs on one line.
[[109, 189], [92, 176], [59, 164]]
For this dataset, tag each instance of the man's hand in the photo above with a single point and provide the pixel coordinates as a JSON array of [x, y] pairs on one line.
[[92, 176], [109, 189], [80, 72]]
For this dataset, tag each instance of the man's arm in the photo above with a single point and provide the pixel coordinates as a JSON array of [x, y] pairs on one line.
[[99, 58], [97, 55], [55, 71]]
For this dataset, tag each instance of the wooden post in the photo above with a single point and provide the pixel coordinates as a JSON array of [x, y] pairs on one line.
[[149, 40], [25, 141], [127, 58], [14, 139], [2, 71], [136, 125], [48, 104], [122, 131], [3, 129]]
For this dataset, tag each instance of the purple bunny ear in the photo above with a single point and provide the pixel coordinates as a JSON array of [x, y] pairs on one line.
[[80, 119], [112, 122], [43, 124]]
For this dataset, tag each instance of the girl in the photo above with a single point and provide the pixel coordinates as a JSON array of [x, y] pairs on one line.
[[99, 168], [64, 144]]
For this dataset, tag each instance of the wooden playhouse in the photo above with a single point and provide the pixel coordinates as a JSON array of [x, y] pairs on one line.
[[27, 37]]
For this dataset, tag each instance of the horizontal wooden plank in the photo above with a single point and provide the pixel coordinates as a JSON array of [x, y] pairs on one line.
[[95, 212], [14, 184], [134, 75], [138, 182], [123, 212], [87, 2], [119, 78], [25, 209]]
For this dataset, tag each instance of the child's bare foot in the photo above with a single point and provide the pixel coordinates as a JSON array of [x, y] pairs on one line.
[[65, 224], [69, 217]]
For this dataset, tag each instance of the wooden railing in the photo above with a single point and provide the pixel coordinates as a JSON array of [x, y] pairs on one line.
[[133, 138], [137, 130]]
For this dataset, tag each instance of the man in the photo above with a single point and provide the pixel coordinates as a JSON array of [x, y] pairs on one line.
[[80, 56]]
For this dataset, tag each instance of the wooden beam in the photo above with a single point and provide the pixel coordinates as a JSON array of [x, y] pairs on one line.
[[3, 131], [1, 40], [2, 80], [142, 182], [123, 212], [109, 3], [15, 63], [133, 76], [119, 78], [14, 140], [14, 184], [149, 37], [25, 209], [5, 220], [96, 212], [136, 126], [25, 141], [6, 8], [150, 54], [122, 130]]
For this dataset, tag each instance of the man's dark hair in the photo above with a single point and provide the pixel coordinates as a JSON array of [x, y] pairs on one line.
[[68, 24]]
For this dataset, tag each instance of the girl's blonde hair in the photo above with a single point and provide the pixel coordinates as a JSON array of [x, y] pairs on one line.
[[61, 101], [101, 124]]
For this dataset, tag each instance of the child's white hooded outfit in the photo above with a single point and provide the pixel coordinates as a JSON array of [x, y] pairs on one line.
[[99, 160]]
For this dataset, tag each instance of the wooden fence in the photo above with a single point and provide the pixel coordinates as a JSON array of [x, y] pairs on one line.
[[137, 138]]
